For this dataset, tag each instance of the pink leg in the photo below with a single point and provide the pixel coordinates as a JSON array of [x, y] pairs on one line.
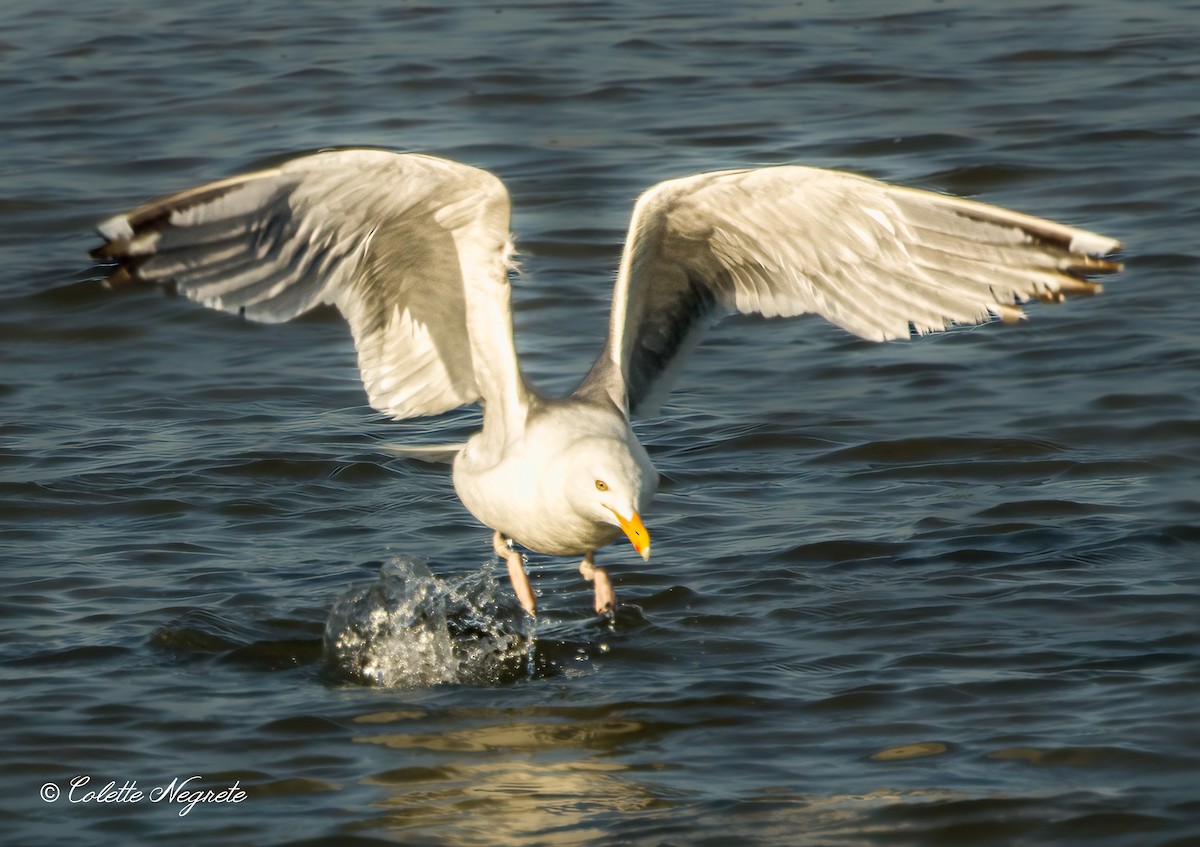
[[516, 573], [606, 600]]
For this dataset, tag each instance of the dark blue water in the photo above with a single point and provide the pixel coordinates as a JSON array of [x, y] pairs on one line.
[[940, 592]]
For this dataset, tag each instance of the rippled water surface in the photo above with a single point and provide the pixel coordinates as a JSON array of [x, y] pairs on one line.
[[931, 592]]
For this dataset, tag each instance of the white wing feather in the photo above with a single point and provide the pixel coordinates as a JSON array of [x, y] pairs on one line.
[[412, 250], [878, 260]]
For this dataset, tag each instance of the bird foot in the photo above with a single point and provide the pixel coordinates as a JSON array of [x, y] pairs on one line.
[[516, 574], [605, 599]]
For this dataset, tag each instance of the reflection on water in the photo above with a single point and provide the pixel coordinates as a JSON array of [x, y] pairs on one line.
[[557, 777], [513, 801], [499, 781], [909, 751]]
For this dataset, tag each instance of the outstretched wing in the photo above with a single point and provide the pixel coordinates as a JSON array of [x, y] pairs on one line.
[[412, 250], [878, 260]]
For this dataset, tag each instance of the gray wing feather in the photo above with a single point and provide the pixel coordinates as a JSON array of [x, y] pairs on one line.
[[395, 241], [880, 261]]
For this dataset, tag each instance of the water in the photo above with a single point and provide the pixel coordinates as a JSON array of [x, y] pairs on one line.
[[412, 629], [938, 592]]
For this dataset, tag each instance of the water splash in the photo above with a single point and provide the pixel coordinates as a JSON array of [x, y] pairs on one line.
[[411, 629]]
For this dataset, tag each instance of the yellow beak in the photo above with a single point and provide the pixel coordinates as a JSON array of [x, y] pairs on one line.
[[639, 537]]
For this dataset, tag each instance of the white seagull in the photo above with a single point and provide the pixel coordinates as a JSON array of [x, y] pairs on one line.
[[415, 253]]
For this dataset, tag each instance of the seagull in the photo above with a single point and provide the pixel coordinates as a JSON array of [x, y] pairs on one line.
[[415, 253]]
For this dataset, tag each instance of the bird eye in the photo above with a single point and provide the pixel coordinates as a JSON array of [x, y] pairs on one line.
[[601, 485]]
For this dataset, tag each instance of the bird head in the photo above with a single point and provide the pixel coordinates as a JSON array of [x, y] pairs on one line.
[[609, 485]]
